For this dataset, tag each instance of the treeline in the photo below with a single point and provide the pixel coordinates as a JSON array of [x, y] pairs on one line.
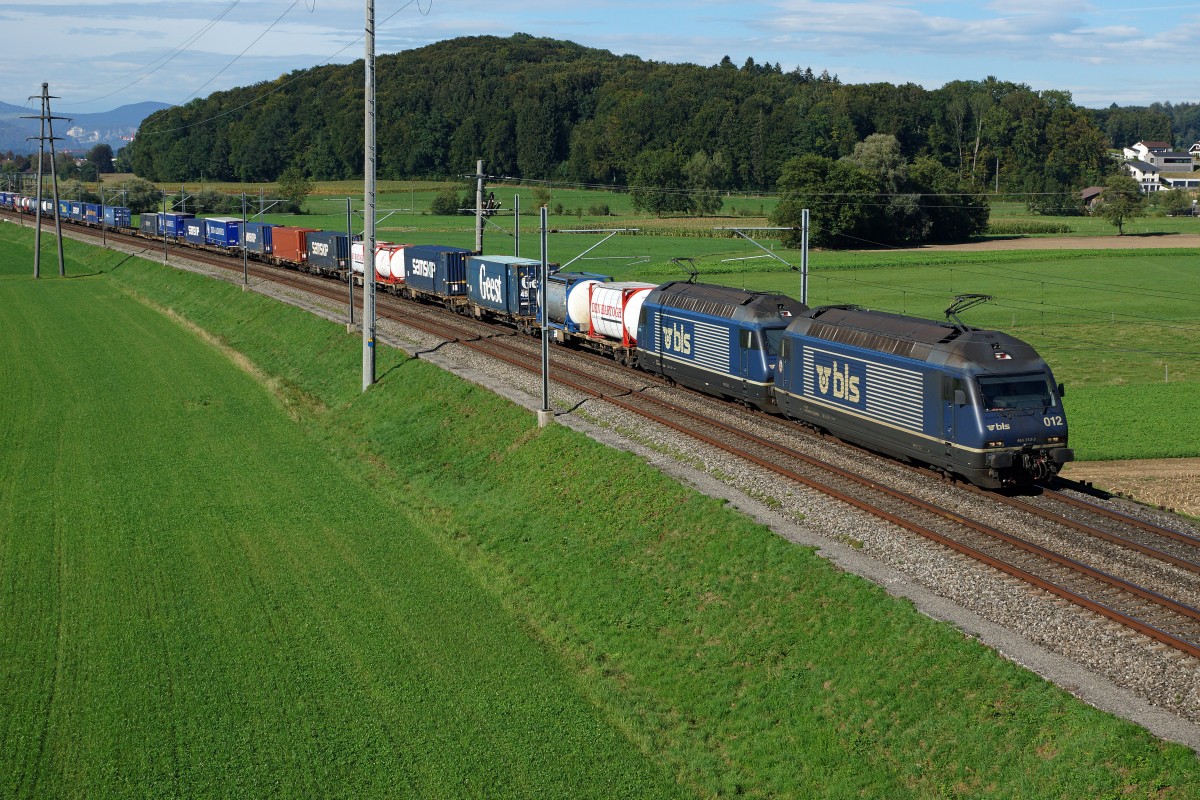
[[1177, 124], [545, 109]]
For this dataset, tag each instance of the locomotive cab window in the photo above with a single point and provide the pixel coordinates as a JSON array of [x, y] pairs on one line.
[[749, 341], [773, 338], [1021, 392]]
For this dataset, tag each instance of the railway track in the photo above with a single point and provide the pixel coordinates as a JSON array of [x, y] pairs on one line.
[[1150, 610]]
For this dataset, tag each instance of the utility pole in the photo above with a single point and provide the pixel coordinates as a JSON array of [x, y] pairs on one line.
[[47, 119], [517, 225], [479, 206], [245, 254], [545, 416], [368, 321], [350, 276]]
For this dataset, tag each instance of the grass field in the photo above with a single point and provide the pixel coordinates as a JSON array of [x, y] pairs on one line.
[[218, 583]]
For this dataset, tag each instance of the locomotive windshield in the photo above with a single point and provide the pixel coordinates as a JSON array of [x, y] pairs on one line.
[[773, 337], [1016, 392]]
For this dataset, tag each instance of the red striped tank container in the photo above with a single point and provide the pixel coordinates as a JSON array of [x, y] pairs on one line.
[[613, 310]]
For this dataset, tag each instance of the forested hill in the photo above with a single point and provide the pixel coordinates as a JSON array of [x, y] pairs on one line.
[[546, 109]]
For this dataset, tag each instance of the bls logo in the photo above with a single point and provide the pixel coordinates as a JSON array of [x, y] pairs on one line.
[[845, 385], [677, 338]]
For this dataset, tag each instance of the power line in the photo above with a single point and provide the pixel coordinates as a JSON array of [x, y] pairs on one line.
[[166, 58]]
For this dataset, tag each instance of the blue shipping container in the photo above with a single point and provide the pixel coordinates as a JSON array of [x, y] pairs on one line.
[[64, 209], [504, 284], [437, 270], [91, 213], [258, 237], [148, 224], [171, 224], [117, 216], [193, 230], [328, 251], [77, 210], [223, 231]]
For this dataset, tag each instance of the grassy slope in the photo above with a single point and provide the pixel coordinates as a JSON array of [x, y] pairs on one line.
[[228, 610], [200, 602]]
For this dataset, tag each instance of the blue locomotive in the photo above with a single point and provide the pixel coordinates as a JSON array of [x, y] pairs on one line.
[[976, 403], [715, 339]]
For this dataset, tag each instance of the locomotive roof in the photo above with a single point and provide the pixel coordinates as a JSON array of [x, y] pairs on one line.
[[725, 301], [921, 339]]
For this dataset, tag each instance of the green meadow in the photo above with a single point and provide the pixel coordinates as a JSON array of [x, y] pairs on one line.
[[225, 571]]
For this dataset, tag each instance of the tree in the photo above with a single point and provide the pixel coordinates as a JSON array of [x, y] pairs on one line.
[[838, 195], [445, 203], [704, 177], [658, 184], [294, 188], [141, 196], [101, 156], [1122, 200]]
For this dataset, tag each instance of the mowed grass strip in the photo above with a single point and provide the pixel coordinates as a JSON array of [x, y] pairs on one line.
[[198, 600], [742, 664]]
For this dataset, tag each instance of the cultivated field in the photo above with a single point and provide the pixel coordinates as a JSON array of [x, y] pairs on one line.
[[256, 580]]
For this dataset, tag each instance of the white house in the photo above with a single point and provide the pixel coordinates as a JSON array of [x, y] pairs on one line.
[[1142, 150]]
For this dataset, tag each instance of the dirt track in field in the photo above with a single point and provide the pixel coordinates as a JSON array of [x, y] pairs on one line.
[[1114, 242], [1172, 483]]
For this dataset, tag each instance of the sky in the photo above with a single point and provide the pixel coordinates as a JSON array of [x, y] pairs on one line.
[[97, 56]]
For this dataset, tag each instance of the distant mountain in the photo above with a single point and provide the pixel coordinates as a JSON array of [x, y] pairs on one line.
[[80, 133]]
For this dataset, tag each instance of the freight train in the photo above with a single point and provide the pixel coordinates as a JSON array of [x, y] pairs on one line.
[[973, 403]]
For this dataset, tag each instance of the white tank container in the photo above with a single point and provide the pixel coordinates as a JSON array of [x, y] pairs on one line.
[[579, 298], [396, 262], [615, 308], [356, 258]]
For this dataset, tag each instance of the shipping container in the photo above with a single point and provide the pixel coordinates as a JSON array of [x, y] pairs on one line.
[[614, 309], [64, 209], [328, 251], [223, 231], [505, 285], [389, 261], [290, 244], [436, 270], [148, 224], [567, 295], [117, 216], [76, 210], [172, 224], [91, 214], [193, 230], [258, 237]]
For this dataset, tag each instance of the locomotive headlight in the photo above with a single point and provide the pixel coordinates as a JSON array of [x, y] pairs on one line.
[[1053, 439], [995, 444]]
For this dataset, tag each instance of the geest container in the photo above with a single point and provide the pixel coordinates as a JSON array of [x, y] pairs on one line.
[[437, 270], [504, 284], [193, 230], [328, 251], [290, 244], [223, 231], [117, 216], [258, 237], [614, 309], [173, 224]]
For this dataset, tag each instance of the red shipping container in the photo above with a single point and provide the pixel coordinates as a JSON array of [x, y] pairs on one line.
[[290, 244]]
